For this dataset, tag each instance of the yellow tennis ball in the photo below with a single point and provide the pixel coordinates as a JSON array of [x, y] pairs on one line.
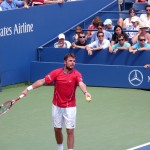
[[88, 99]]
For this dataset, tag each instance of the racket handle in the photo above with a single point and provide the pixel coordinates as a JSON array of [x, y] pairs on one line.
[[21, 96]]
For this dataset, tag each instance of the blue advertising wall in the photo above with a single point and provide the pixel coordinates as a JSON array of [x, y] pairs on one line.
[[100, 75], [122, 69], [23, 30]]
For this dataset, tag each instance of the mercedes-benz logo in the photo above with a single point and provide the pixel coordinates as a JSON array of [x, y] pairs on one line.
[[135, 77]]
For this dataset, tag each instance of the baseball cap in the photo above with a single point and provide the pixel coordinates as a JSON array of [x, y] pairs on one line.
[[107, 21], [61, 36], [134, 19], [143, 25]]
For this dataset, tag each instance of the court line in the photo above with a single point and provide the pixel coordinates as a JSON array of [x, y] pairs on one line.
[[134, 148]]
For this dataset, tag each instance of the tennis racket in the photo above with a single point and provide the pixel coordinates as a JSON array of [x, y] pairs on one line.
[[5, 107]]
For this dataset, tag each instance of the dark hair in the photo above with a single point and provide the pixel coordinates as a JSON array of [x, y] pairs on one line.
[[118, 26], [99, 32], [69, 55], [147, 6], [132, 9], [141, 35], [100, 24], [121, 35]]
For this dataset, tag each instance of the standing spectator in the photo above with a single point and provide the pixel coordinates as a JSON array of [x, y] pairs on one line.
[[142, 30], [65, 80], [81, 43], [121, 45], [127, 21], [141, 45], [62, 43], [107, 34], [134, 27], [118, 31], [145, 18], [78, 31], [108, 25], [93, 26], [13, 4], [99, 44]]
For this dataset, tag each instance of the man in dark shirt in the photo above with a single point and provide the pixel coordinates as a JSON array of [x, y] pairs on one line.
[[81, 43]]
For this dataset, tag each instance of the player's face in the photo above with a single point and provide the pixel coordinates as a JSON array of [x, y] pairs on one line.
[[70, 63]]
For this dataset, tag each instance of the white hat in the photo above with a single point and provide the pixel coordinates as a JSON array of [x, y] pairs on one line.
[[107, 21], [135, 19], [61, 36], [142, 26]]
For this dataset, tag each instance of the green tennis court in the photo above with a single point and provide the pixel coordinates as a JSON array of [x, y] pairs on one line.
[[116, 119]]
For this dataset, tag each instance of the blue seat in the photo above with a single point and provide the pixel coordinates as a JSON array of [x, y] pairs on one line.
[[139, 6], [127, 4], [124, 14]]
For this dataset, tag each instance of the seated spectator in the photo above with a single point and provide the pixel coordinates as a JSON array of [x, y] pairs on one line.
[[81, 43], [42, 2], [62, 43], [93, 26], [13, 4], [78, 31], [134, 27], [142, 30], [107, 34], [108, 25], [145, 18], [121, 45], [127, 21], [118, 31], [141, 45], [99, 44]]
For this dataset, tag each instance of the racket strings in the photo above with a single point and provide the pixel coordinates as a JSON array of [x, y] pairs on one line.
[[6, 106]]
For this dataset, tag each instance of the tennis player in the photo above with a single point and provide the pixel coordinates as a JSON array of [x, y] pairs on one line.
[[65, 80]]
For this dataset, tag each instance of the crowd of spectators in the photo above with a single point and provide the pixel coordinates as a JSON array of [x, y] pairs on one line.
[[130, 34]]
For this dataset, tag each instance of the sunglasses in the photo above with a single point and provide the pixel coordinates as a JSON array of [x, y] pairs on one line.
[[100, 28], [147, 9], [81, 36], [100, 35], [120, 39], [142, 39]]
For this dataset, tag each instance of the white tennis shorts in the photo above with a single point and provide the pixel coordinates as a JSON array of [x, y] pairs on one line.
[[64, 115]]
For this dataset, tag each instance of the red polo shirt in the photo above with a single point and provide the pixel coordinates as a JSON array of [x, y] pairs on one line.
[[65, 86]]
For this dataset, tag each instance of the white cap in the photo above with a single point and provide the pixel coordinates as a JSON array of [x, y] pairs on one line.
[[143, 25], [61, 36], [107, 21], [135, 19]]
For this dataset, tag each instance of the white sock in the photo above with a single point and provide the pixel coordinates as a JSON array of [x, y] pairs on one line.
[[60, 146]]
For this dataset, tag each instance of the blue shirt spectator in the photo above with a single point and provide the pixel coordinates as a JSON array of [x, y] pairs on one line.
[[12, 4], [107, 35], [141, 45]]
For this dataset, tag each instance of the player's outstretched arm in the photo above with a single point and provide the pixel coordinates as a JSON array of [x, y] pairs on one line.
[[84, 90], [36, 84]]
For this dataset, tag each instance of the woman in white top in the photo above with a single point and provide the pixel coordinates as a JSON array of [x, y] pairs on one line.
[[127, 21]]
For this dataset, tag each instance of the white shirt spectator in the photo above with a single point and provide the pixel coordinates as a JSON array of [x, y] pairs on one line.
[[62, 43], [105, 44]]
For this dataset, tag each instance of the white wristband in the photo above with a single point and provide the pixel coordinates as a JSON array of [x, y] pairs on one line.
[[29, 88]]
